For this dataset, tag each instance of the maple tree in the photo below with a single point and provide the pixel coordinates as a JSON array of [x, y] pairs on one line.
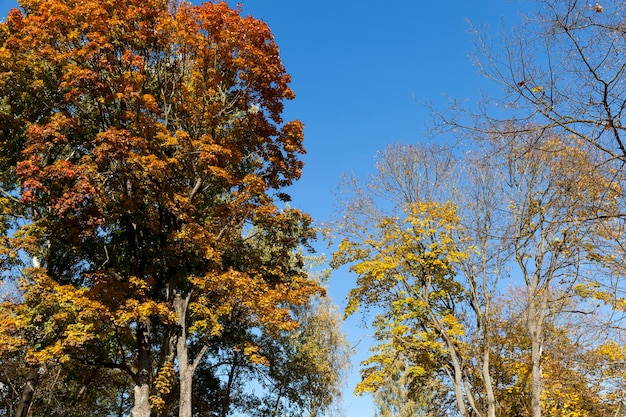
[[409, 273], [141, 187]]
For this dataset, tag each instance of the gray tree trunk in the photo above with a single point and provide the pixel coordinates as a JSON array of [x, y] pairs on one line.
[[141, 407], [535, 320], [536, 335], [186, 369], [491, 398]]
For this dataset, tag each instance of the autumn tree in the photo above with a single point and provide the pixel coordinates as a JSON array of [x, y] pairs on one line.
[[400, 395], [306, 367], [549, 180], [296, 373], [428, 259], [144, 159], [562, 69], [504, 210], [575, 367]]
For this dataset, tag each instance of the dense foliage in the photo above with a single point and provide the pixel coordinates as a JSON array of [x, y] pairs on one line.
[[144, 230]]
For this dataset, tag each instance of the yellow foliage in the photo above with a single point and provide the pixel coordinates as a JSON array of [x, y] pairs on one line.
[[406, 269], [164, 378], [612, 351], [455, 328], [157, 403], [252, 353]]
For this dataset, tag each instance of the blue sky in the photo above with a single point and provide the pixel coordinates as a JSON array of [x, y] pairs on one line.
[[360, 70]]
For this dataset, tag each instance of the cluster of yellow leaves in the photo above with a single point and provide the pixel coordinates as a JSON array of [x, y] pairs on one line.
[[252, 352], [58, 318], [10, 324], [564, 392], [567, 405], [406, 268], [163, 385], [613, 352], [417, 253], [594, 291], [267, 305]]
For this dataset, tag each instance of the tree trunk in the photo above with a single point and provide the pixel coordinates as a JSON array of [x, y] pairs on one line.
[[229, 385], [456, 374], [457, 382], [186, 369], [535, 321], [186, 391], [23, 406], [491, 399], [32, 378], [186, 373], [537, 383], [141, 407]]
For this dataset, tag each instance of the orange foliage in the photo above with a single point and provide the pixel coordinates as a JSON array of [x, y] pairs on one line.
[[153, 144]]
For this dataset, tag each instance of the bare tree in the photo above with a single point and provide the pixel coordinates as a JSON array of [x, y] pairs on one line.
[[562, 74]]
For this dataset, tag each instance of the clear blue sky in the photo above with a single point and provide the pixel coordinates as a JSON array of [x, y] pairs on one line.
[[360, 70]]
